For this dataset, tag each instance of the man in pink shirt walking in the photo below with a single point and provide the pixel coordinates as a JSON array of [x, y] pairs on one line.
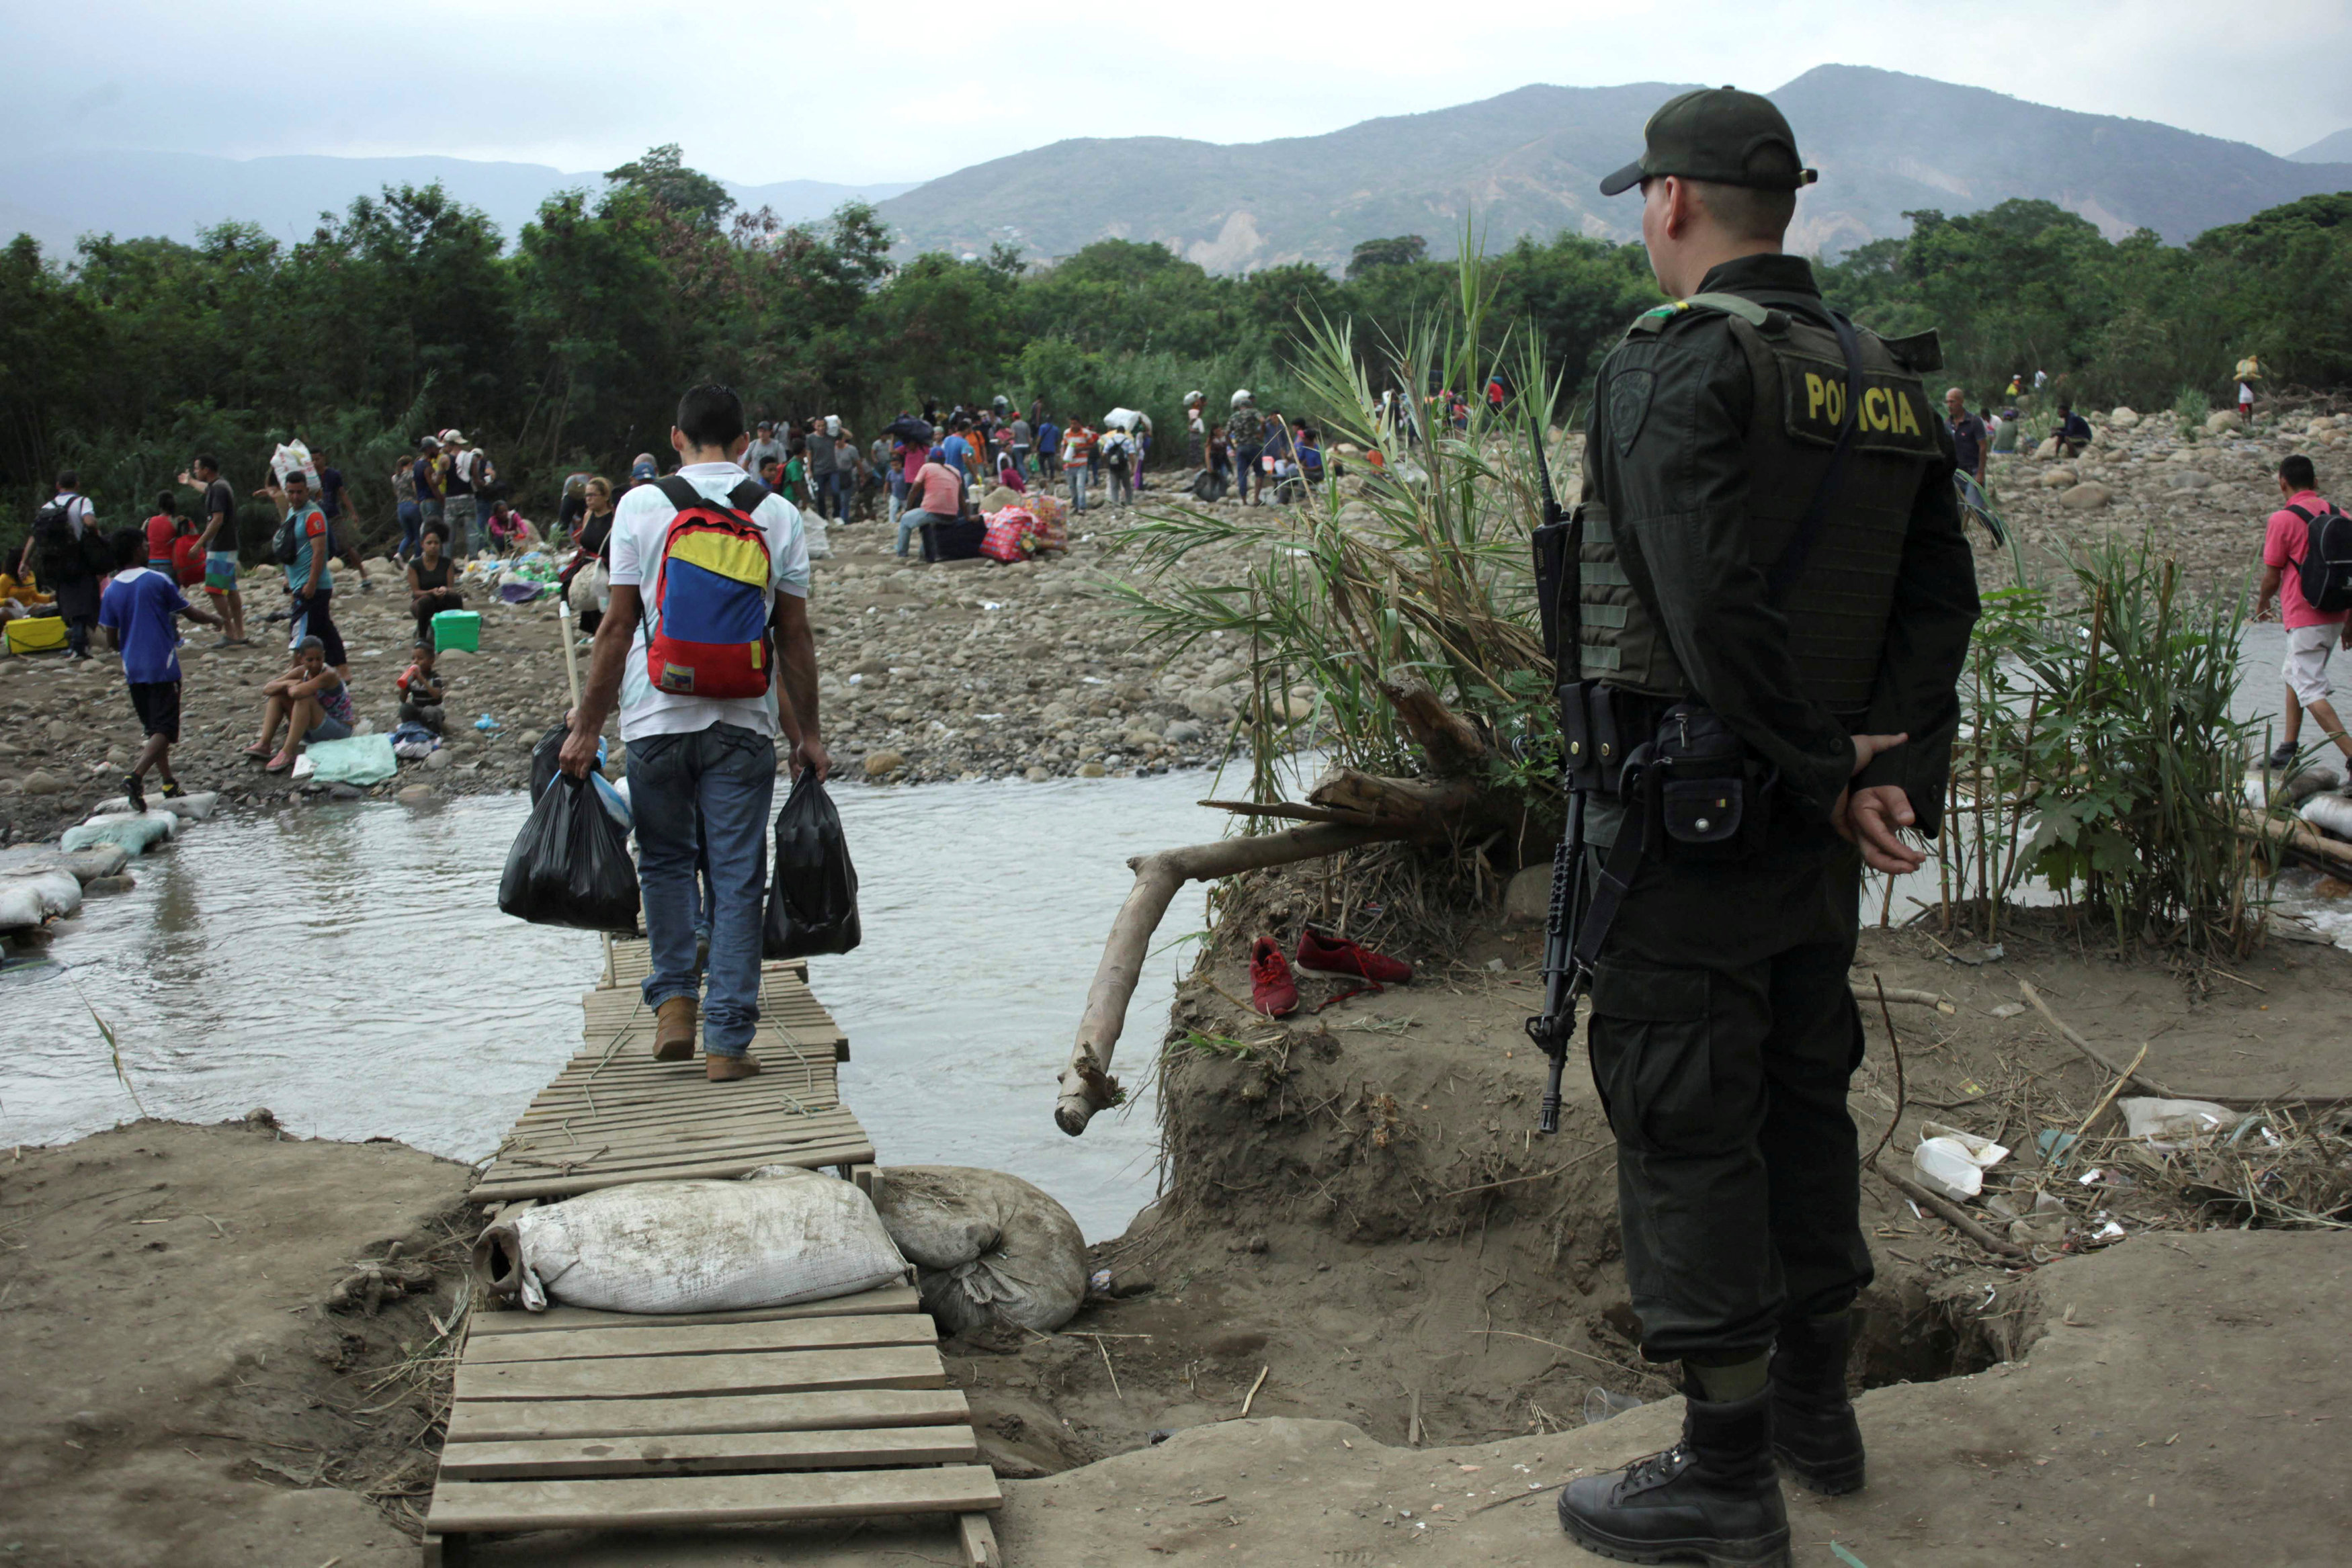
[[2312, 635]]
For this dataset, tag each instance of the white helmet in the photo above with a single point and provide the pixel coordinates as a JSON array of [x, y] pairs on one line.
[[1241, 397], [1192, 399]]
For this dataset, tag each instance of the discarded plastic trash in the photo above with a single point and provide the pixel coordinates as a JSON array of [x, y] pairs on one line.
[[2052, 1145], [2172, 1123], [485, 723], [1599, 1405], [1951, 1162]]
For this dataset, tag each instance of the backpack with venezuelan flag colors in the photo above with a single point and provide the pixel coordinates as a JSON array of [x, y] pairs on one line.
[[714, 591]]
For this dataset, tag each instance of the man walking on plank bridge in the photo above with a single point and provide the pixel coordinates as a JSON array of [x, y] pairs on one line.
[[709, 620]]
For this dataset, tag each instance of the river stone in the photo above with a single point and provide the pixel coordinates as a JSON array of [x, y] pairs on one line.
[[116, 883], [882, 764], [1184, 732], [2219, 419], [39, 783], [59, 729], [2049, 448], [2189, 479], [2058, 479], [2085, 498], [439, 761], [1091, 770], [410, 794], [2124, 418], [1207, 706], [870, 666], [1036, 775]]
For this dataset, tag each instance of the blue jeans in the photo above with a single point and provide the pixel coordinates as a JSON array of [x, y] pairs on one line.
[[708, 790], [1078, 488], [898, 496], [911, 521], [1244, 469], [412, 528]]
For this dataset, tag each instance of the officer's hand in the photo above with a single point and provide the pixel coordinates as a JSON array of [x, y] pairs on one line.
[[1866, 746], [1873, 819]]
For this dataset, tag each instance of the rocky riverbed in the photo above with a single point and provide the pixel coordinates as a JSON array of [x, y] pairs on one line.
[[2199, 493], [966, 669]]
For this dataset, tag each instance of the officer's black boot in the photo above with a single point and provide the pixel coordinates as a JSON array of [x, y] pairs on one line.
[[1711, 1498], [1814, 1430]]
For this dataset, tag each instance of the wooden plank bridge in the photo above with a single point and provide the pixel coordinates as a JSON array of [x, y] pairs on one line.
[[572, 1419]]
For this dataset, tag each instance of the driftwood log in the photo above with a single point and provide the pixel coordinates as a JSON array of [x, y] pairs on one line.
[[2295, 834], [1347, 808]]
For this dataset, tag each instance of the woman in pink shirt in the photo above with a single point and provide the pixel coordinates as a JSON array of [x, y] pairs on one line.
[[2312, 635]]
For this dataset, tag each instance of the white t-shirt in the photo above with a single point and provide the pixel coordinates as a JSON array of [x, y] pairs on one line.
[[2245, 393], [78, 510], [639, 523]]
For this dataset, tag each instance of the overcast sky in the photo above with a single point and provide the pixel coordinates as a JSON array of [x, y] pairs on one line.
[[817, 90]]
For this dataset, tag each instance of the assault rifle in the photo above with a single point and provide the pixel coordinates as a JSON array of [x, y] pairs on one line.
[[1557, 541]]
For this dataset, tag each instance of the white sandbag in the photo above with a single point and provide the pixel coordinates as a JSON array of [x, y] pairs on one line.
[[28, 899], [783, 1235], [195, 807], [989, 1248], [87, 866], [135, 832], [2331, 814]]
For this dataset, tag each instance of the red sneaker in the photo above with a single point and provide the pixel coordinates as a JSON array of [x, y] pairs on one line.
[[1271, 990], [1338, 955]]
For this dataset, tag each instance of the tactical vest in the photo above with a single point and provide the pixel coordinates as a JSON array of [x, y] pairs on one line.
[[1837, 607]]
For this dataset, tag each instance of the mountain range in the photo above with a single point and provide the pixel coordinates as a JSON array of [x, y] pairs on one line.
[[1530, 161], [58, 198], [1526, 162]]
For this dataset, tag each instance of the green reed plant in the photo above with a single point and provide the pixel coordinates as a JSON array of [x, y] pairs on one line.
[[1416, 565]]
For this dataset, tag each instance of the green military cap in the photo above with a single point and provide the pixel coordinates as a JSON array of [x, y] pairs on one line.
[[1717, 134]]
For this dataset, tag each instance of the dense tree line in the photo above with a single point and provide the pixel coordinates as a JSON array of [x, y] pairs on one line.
[[566, 350]]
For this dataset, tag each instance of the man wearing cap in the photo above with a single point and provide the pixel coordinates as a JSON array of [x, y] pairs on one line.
[[764, 450], [1774, 607], [458, 509]]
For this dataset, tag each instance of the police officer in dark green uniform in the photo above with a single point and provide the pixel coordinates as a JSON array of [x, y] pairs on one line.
[[1775, 608]]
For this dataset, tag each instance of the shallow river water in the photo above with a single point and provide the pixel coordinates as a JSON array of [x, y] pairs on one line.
[[348, 967]]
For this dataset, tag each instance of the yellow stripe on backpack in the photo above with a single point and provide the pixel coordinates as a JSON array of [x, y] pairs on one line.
[[740, 558]]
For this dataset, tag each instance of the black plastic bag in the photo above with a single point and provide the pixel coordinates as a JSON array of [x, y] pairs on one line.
[[570, 865], [813, 898], [547, 760]]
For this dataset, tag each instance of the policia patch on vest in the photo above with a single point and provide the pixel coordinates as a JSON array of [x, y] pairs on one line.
[[1629, 403], [1891, 416]]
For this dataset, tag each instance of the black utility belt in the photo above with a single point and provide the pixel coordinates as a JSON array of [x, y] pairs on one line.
[[1674, 766]]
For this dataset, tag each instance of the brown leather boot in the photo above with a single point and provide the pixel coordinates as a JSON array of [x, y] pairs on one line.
[[674, 1030], [725, 1069]]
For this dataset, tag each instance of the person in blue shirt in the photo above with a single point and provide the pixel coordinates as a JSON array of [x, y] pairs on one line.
[[955, 452], [138, 614], [1049, 450]]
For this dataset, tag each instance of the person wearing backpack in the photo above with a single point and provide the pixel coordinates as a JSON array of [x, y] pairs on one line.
[[73, 555], [2307, 569], [706, 652]]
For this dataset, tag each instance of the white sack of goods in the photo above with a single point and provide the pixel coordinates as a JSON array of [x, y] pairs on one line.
[[989, 1248], [779, 1235]]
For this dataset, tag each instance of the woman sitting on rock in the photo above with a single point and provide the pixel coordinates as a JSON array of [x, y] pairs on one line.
[[432, 586], [310, 700]]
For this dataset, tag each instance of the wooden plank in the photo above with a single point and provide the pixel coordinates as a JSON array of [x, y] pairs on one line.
[[706, 1339], [648, 1079], [835, 1410], [675, 1501], [555, 1122], [544, 1182], [976, 1537], [671, 1147], [563, 1319], [716, 1452], [682, 1133], [655, 1164], [679, 1376], [648, 1119]]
